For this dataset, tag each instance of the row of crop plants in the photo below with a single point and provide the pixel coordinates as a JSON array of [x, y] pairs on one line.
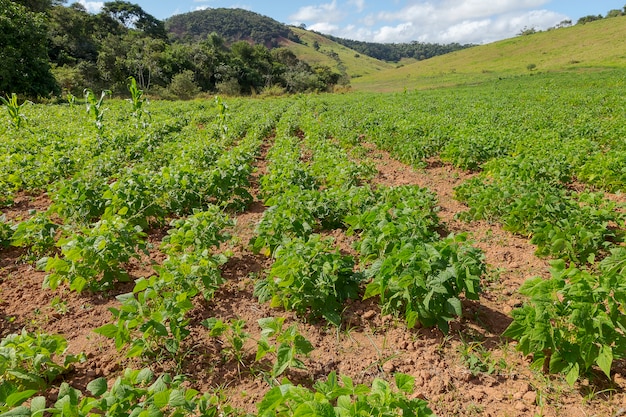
[[544, 149], [314, 185], [129, 171]]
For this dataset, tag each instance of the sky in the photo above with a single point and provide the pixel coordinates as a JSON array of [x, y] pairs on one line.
[[394, 21]]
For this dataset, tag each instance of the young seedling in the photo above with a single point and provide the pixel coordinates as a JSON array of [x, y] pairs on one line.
[[94, 106], [14, 109]]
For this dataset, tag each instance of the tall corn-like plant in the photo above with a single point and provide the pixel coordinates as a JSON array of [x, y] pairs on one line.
[[94, 106], [17, 118], [222, 116], [137, 100]]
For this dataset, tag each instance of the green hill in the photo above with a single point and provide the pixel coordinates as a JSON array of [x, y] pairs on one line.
[[316, 49], [238, 24], [231, 24], [595, 45]]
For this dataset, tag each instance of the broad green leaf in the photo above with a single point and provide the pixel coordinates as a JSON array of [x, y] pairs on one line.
[[314, 409], [263, 348], [272, 400], [302, 345], [108, 330], [97, 387], [453, 306], [284, 356], [20, 411], [405, 383], [31, 378], [38, 405], [572, 375], [18, 398], [161, 398], [144, 376], [605, 360], [177, 398]]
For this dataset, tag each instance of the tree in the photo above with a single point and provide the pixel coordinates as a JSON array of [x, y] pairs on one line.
[[70, 35], [132, 54], [39, 5], [134, 17], [587, 19], [25, 68], [614, 13], [183, 85]]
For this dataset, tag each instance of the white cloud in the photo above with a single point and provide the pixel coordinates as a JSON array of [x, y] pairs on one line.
[[360, 5], [195, 9], [323, 27], [441, 21], [92, 6], [318, 14]]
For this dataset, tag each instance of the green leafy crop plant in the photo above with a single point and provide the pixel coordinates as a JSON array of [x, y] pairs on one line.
[[424, 281], [93, 107], [340, 397], [137, 100], [6, 232], [153, 319], [94, 257], [38, 233], [135, 393], [396, 214], [286, 344], [310, 277], [563, 224], [28, 366], [202, 231], [575, 320]]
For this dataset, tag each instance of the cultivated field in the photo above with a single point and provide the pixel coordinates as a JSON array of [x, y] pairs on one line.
[[455, 250]]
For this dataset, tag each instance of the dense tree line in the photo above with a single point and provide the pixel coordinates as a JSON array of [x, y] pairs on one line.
[[394, 52], [40, 39], [609, 14]]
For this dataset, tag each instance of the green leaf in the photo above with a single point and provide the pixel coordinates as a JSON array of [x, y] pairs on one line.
[[145, 376], [284, 356], [263, 348], [38, 405], [27, 377], [302, 346], [405, 383], [18, 398], [177, 398], [161, 398], [605, 360], [97, 387], [108, 330], [172, 345], [273, 399], [573, 374], [453, 306], [20, 411]]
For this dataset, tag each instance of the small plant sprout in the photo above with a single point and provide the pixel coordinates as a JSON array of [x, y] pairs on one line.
[[94, 106], [137, 100], [71, 99], [222, 116], [17, 118]]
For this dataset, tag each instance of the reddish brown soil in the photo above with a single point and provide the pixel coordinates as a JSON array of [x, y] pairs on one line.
[[367, 345]]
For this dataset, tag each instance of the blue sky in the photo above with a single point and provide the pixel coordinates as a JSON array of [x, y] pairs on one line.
[[442, 21]]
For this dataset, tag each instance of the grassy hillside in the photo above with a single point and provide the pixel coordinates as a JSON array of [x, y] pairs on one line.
[[593, 45], [346, 59]]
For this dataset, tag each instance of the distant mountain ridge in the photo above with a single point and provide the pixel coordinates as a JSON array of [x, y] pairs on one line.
[[239, 24]]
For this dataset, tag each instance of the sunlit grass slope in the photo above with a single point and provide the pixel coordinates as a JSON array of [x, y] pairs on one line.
[[595, 45], [354, 64]]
